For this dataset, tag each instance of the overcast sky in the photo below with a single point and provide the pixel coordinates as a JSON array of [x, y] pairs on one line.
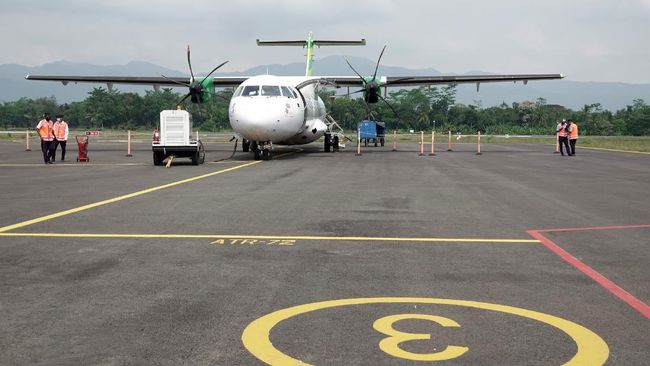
[[588, 40]]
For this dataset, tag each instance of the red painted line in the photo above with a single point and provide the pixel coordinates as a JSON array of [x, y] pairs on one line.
[[593, 228], [635, 303]]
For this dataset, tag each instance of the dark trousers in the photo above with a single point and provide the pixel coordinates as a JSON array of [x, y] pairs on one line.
[[564, 142], [56, 144], [572, 142], [45, 148]]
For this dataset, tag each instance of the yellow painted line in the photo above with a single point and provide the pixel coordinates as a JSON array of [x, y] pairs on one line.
[[590, 348], [120, 198], [278, 237], [228, 161], [614, 150], [287, 153]]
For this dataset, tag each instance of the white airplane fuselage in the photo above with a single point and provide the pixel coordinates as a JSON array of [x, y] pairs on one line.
[[269, 108]]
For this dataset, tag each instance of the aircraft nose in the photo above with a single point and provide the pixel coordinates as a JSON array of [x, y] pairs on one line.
[[262, 120]]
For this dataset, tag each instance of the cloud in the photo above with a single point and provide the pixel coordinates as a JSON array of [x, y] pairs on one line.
[[587, 39]]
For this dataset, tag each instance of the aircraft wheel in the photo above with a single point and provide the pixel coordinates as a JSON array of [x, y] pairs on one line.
[[335, 143], [328, 142], [266, 154], [245, 145], [201, 153], [256, 154]]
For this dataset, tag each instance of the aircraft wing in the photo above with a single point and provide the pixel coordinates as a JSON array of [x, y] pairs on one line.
[[155, 81], [441, 79]]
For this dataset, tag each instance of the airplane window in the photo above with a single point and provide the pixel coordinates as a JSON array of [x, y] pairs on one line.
[[270, 91], [238, 91], [287, 92], [251, 90]]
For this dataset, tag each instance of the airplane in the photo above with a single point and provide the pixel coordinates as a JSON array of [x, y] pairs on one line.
[[269, 110]]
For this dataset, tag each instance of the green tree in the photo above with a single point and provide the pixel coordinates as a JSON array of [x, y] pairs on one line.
[[638, 118]]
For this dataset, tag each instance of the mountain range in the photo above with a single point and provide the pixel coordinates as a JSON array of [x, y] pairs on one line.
[[573, 94]]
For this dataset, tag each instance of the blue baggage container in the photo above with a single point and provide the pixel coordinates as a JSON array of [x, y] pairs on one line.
[[372, 131], [368, 129]]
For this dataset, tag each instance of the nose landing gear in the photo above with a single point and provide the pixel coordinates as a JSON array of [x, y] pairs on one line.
[[261, 150]]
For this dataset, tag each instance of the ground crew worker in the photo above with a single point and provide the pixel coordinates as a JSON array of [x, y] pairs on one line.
[[60, 136], [45, 132], [562, 137], [572, 128]]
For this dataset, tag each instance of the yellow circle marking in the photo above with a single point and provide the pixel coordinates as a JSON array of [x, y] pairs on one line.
[[592, 350], [391, 343]]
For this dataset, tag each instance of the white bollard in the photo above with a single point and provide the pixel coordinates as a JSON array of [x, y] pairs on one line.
[[433, 144], [358, 142], [128, 148], [27, 141], [421, 143]]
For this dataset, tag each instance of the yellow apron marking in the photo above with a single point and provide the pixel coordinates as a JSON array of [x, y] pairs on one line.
[[120, 198], [591, 349], [614, 150], [270, 237], [390, 344]]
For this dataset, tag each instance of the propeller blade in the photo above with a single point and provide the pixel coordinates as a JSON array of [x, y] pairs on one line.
[[378, 60], [182, 100], [358, 91], [175, 82], [216, 68], [189, 62], [391, 107], [355, 71]]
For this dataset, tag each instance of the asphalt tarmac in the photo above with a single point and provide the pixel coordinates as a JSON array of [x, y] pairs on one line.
[[518, 256]]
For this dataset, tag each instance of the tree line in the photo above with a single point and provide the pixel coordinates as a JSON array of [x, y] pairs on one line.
[[422, 108]]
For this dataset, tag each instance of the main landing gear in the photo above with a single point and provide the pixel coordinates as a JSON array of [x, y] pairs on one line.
[[261, 150], [331, 142]]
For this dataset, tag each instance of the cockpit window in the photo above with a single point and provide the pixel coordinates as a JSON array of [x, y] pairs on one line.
[[238, 91], [251, 91], [288, 92], [270, 91]]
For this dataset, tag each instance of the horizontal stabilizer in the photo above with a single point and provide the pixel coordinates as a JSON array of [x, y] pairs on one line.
[[317, 42]]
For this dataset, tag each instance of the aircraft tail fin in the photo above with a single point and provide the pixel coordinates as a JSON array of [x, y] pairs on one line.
[[309, 43]]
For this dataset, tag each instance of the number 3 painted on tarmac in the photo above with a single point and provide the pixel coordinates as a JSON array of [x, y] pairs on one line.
[[391, 344]]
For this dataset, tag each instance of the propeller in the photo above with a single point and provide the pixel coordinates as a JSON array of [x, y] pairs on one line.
[[197, 89], [371, 86]]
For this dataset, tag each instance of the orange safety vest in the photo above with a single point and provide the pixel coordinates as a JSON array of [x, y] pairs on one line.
[[562, 132], [59, 130], [574, 132], [45, 131]]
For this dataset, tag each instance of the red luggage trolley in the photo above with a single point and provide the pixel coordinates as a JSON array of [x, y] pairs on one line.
[[82, 144]]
